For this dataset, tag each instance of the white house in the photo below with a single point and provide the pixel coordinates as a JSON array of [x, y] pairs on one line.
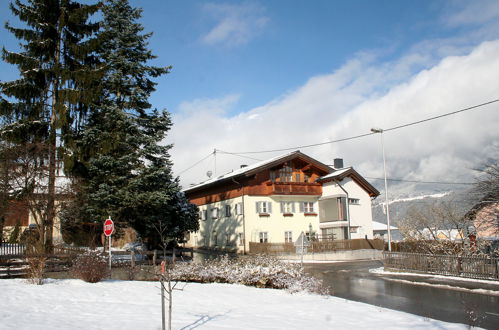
[[277, 199]]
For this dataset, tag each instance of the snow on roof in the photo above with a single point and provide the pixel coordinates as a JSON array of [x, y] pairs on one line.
[[240, 171], [336, 173], [382, 226]]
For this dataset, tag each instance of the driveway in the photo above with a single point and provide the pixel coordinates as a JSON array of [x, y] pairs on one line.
[[444, 300]]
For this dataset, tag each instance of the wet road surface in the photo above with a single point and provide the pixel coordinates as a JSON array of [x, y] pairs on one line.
[[353, 281]]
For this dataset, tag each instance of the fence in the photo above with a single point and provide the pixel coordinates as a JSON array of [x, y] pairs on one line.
[[316, 246], [470, 267]]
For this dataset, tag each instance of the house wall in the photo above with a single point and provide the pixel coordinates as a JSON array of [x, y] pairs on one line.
[[487, 221], [360, 214], [19, 212], [224, 232], [221, 232]]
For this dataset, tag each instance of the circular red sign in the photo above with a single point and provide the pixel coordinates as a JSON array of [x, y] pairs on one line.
[[108, 227]]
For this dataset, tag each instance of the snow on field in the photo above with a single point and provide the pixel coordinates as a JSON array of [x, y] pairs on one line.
[[74, 304]]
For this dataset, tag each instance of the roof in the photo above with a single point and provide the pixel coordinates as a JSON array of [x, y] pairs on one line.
[[342, 173], [382, 226], [333, 174], [257, 167]]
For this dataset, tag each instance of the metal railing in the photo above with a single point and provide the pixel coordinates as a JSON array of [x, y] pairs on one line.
[[462, 266]]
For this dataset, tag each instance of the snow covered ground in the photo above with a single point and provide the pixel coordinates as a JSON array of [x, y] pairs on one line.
[[74, 304]]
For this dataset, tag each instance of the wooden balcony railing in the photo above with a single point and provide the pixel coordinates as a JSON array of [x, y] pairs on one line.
[[295, 188]]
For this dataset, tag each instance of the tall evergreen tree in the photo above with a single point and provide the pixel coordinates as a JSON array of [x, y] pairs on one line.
[[125, 170], [57, 76]]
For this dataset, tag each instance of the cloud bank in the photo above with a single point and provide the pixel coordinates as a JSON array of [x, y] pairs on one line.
[[362, 94]]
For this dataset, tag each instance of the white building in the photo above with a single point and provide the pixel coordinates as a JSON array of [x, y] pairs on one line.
[[277, 199]]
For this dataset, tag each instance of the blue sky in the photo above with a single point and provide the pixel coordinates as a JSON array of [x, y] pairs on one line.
[[259, 75]]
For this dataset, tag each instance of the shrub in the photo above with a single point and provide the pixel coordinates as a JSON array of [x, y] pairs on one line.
[[259, 271], [90, 267], [36, 269]]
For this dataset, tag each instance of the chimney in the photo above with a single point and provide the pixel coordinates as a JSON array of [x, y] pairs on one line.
[[243, 166], [338, 163]]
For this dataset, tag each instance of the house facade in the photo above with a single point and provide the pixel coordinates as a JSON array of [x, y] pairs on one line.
[[278, 199]]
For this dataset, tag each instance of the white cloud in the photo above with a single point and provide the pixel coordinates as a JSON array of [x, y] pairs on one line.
[[360, 95], [236, 24], [472, 12]]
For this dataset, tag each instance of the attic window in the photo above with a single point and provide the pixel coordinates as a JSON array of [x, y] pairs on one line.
[[286, 173]]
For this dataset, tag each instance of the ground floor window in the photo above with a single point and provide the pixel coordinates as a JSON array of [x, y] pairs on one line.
[[241, 239], [264, 238], [288, 236]]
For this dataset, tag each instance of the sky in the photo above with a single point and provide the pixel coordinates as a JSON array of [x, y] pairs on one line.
[[266, 75]]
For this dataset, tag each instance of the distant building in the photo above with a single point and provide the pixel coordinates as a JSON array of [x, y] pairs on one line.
[[277, 199], [380, 230], [485, 219]]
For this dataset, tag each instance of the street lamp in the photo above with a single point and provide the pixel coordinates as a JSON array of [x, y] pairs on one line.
[[380, 131]]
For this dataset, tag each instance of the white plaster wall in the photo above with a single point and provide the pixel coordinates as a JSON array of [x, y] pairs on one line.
[[221, 227], [360, 215], [276, 223]]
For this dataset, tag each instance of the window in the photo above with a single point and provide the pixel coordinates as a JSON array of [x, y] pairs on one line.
[[354, 229], [214, 213], [286, 173], [272, 176], [227, 210], [342, 208], [354, 201], [263, 207], [307, 207], [297, 177], [288, 236], [241, 239], [287, 207], [263, 237], [239, 208], [203, 214], [306, 177]]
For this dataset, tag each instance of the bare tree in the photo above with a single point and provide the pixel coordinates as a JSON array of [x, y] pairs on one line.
[[439, 228]]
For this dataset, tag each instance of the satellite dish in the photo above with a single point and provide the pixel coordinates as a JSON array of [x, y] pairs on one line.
[[209, 174]]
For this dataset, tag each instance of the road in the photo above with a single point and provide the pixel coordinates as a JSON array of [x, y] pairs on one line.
[[442, 300]]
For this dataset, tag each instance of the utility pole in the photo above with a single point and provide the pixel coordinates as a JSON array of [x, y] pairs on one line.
[[380, 131]]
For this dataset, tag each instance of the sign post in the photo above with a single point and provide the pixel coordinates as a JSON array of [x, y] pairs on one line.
[[108, 231], [301, 245]]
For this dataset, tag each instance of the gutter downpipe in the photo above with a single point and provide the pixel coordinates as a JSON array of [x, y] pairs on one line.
[[348, 207], [244, 223]]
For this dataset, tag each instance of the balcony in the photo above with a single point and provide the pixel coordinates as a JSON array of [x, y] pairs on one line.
[[295, 188]]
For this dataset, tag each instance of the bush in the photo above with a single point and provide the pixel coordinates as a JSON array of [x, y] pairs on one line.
[[259, 271], [90, 267], [36, 269]]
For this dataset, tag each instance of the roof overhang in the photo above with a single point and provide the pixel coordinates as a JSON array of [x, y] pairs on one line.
[[354, 175]]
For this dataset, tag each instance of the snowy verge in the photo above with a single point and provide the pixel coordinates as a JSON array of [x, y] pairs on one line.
[[454, 279], [74, 304]]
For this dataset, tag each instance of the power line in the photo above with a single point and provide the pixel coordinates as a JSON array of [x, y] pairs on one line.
[[367, 134], [416, 181], [234, 154], [441, 116], [196, 163]]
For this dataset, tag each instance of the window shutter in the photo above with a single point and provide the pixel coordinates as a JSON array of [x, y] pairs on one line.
[[301, 207], [282, 207], [269, 207], [293, 207], [257, 207]]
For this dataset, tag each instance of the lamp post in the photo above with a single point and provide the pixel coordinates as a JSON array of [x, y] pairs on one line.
[[380, 131]]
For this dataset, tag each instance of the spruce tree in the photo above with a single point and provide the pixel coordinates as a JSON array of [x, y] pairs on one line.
[[57, 75], [124, 168]]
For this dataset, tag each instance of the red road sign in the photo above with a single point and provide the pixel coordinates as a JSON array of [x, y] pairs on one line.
[[108, 227]]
